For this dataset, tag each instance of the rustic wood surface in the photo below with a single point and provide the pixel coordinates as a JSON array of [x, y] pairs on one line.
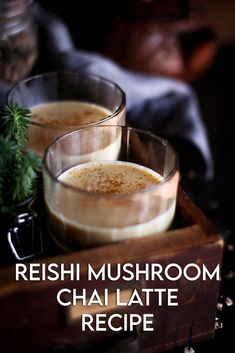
[[32, 320]]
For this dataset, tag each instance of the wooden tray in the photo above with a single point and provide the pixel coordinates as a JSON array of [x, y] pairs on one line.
[[32, 320]]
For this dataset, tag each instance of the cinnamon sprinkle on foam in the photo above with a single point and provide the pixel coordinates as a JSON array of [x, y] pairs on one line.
[[114, 177]]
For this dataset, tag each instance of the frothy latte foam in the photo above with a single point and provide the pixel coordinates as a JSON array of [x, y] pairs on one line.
[[68, 113], [110, 204], [110, 177], [58, 118]]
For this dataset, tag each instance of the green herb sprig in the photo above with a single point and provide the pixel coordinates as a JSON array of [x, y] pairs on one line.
[[19, 165], [15, 122]]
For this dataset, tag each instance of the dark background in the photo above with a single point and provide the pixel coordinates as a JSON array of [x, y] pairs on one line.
[[90, 22]]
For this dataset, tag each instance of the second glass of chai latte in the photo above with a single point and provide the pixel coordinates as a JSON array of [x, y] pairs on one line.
[[61, 102]]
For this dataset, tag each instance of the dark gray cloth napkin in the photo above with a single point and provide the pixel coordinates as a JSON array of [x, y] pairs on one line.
[[164, 106]]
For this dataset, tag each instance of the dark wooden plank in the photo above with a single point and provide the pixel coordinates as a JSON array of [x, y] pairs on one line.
[[32, 318]]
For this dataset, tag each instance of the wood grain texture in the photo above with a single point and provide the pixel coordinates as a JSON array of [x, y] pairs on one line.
[[31, 318]]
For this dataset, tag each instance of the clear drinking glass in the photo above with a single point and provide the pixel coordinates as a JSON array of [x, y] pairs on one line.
[[80, 217], [66, 87]]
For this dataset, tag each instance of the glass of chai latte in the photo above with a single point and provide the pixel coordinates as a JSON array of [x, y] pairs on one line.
[[63, 101], [108, 183]]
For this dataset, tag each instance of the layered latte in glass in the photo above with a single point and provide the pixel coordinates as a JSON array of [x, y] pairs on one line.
[[61, 102], [96, 194]]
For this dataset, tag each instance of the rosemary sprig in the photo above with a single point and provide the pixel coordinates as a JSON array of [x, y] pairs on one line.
[[18, 164]]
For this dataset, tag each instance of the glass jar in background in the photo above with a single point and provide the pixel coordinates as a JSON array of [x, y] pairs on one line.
[[18, 40]]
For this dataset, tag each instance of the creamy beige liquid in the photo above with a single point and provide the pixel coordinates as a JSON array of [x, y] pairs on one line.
[[120, 214], [68, 113], [58, 118], [116, 177]]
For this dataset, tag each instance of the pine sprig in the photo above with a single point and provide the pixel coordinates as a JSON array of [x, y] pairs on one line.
[[18, 164], [25, 175], [7, 152], [15, 122]]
